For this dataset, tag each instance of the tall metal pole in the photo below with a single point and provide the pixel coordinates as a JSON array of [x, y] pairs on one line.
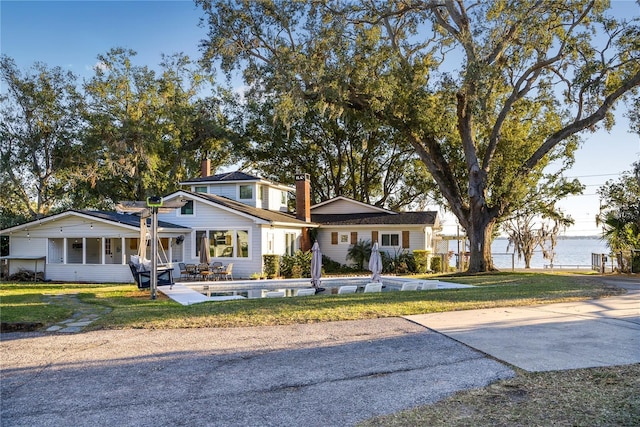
[[154, 252]]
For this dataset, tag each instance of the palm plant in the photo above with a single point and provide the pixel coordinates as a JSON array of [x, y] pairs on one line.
[[359, 252]]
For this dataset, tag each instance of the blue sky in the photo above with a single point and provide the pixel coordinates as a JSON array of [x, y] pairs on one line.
[[71, 34]]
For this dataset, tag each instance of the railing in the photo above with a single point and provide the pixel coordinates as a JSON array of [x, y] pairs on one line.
[[567, 266]]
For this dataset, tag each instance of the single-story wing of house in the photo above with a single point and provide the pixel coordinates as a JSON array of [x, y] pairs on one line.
[[243, 216]]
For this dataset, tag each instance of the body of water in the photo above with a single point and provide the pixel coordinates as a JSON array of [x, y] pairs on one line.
[[569, 253]]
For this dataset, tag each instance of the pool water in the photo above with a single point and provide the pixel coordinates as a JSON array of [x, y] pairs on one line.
[[259, 288]]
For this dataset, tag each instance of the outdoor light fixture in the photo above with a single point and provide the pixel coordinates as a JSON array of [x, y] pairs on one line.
[[154, 201]]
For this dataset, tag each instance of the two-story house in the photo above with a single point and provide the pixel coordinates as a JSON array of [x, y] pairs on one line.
[[244, 217]]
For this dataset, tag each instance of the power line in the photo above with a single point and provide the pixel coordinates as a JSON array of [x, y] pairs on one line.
[[594, 176]]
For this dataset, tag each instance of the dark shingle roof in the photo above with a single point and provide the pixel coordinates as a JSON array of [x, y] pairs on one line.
[[225, 177], [127, 219], [263, 214], [426, 218]]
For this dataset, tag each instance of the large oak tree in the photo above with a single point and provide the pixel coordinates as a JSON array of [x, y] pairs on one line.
[[41, 164], [486, 92]]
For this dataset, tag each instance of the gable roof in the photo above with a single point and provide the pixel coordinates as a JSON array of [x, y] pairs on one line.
[[398, 218], [355, 205], [128, 220], [244, 209]]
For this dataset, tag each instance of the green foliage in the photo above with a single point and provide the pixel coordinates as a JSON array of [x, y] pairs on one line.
[[148, 131], [620, 210], [359, 253], [331, 266], [41, 158], [351, 155], [271, 265], [401, 262], [436, 265], [421, 258], [485, 130], [296, 265]]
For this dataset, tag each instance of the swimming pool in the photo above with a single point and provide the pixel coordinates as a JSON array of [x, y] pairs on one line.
[[260, 288]]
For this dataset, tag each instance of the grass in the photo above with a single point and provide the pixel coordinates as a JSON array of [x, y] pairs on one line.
[[130, 308], [593, 397], [581, 397]]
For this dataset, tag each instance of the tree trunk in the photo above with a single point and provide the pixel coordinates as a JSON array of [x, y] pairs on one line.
[[480, 237]]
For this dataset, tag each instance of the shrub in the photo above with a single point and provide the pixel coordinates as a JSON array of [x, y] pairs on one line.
[[436, 265], [271, 265], [402, 262], [331, 266], [296, 265], [421, 258]]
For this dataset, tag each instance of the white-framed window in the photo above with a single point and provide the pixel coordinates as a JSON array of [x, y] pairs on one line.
[[344, 238], [246, 192], [201, 189], [283, 198], [290, 243], [187, 208], [390, 239], [225, 243]]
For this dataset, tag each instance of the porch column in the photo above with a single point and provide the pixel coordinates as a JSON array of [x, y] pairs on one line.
[[84, 250], [123, 251]]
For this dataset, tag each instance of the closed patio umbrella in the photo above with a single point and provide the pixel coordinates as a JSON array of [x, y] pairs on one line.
[[205, 256], [316, 267], [375, 263]]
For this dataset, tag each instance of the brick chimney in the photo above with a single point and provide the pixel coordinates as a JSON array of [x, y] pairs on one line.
[[303, 197], [205, 168]]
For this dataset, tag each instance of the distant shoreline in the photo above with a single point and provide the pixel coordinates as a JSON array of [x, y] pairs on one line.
[[594, 237]]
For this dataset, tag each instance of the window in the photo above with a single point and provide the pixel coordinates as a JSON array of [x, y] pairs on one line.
[[390, 240], [290, 242], [246, 192], [344, 238], [225, 243], [283, 197], [187, 209], [202, 189]]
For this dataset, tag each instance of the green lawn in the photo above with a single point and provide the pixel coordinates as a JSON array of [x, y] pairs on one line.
[[130, 308]]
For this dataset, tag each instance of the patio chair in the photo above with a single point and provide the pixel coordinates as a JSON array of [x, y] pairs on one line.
[[225, 273], [350, 289], [409, 287], [192, 271], [306, 292], [184, 273], [373, 287], [428, 284], [204, 271], [274, 294]]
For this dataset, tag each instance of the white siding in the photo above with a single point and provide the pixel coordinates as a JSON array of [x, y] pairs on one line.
[[225, 190], [210, 217], [339, 252], [341, 206]]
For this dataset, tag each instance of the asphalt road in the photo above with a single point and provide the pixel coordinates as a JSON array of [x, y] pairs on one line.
[[328, 374]]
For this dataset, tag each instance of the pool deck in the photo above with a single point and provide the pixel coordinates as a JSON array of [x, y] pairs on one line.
[[185, 293]]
